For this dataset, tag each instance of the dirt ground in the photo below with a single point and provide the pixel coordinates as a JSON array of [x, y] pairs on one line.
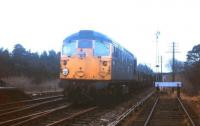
[[193, 101]]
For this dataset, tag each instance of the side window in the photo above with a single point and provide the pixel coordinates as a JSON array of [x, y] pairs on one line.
[[115, 51], [69, 48]]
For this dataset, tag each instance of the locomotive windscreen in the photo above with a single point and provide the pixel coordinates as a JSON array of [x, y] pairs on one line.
[[101, 48], [85, 43], [69, 49]]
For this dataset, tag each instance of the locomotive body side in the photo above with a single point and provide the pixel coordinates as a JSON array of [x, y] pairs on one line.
[[123, 65]]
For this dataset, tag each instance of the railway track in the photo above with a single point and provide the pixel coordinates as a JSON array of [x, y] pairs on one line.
[[55, 112], [31, 110], [24, 103], [92, 117], [169, 111], [105, 114], [161, 110], [41, 112], [74, 116], [59, 116], [35, 95], [133, 108]]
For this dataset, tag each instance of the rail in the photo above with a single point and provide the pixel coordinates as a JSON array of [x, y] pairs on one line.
[[7, 105], [191, 121], [64, 120], [125, 114], [20, 119], [24, 110], [44, 93], [152, 110], [179, 102], [25, 120]]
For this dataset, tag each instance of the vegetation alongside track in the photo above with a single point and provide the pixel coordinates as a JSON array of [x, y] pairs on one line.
[[22, 62]]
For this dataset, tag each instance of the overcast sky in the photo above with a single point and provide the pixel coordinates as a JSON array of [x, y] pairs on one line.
[[43, 24]]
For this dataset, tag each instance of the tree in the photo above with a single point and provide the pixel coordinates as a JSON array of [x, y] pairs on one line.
[[19, 61], [192, 67], [5, 63], [19, 51], [44, 56], [193, 56], [26, 63]]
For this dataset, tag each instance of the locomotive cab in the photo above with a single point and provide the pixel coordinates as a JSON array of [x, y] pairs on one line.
[[86, 59]]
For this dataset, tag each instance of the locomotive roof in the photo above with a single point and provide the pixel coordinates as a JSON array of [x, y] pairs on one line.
[[87, 34], [90, 34]]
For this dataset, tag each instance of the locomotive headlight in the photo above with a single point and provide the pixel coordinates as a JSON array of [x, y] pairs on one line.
[[65, 71]]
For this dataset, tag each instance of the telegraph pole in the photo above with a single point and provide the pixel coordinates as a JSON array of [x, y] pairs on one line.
[[161, 69], [173, 62]]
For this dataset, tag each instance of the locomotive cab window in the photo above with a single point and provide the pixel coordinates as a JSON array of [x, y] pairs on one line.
[[101, 49], [69, 48], [85, 44]]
